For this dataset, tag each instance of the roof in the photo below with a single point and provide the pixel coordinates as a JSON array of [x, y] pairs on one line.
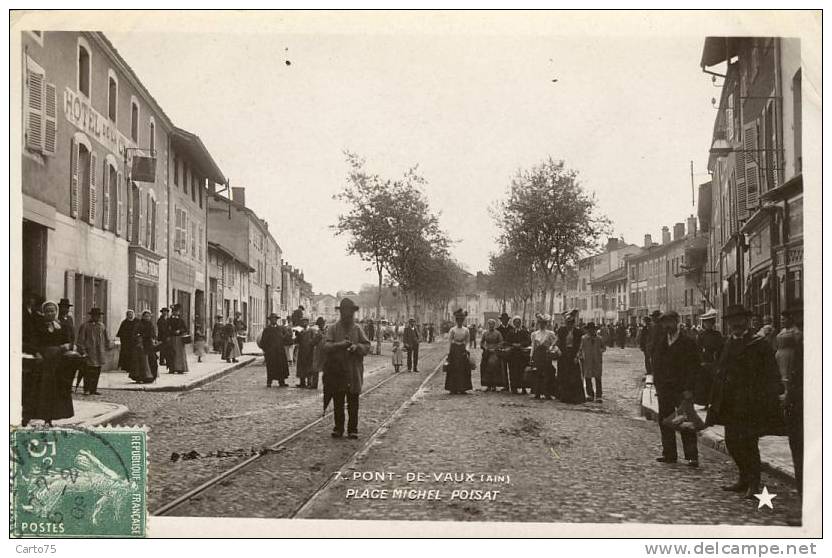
[[615, 275], [189, 143], [229, 254], [261, 223]]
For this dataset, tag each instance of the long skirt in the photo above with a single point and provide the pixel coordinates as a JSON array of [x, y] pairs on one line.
[[545, 381], [305, 362], [277, 367], [146, 368], [458, 377], [127, 357], [491, 370], [517, 363], [199, 348], [569, 381], [231, 349], [178, 359], [53, 387]]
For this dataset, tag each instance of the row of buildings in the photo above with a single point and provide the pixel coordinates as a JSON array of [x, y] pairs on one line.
[[746, 246], [124, 209]]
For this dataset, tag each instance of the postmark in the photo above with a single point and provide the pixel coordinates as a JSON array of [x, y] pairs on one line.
[[78, 482]]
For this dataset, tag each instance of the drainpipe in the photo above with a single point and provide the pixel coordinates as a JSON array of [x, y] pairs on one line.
[[167, 227]]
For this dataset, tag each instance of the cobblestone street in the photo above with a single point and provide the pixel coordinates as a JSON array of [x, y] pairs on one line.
[[584, 463]]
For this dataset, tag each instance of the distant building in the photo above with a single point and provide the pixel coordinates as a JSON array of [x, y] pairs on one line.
[[323, 305]]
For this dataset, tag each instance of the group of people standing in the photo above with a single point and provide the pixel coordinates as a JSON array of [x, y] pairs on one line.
[[751, 380], [566, 364], [141, 341], [279, 343], [54, 354]]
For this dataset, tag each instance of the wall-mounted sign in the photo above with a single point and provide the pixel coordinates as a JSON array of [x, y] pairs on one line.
[[143, 169], [147, 267], [79, 113]]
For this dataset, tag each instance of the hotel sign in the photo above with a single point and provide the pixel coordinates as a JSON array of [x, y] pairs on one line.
[[79, 113]]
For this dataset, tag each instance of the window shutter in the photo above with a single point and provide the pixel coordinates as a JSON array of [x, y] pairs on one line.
[[50, 133], [105, 208], [74, 197], [93, 186], [153, 226], [119, 202], [142, 224], [34, 108], [130, 209], [752, 168]]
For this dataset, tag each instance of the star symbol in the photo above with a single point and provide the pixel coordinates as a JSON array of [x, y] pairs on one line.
[[765, 498]]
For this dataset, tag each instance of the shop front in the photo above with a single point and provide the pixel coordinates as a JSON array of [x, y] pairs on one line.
[[143, 287]]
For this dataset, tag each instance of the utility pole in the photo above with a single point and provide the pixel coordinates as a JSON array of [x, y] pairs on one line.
[[692, 200]]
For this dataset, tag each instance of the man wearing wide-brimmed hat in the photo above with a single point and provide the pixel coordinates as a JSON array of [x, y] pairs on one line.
[[274, 340], [747, 401], [345, 345], [675, 365], [93, 343]]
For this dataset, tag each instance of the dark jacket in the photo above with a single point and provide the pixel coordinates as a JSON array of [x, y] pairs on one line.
[[569, 352], [411, 337], [675, 366], [297, 316], [654, 337], [163, 329], [710, 344], [643, 336], [747, 387]]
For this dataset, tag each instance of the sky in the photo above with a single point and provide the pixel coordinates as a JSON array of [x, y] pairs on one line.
[[628, 112]]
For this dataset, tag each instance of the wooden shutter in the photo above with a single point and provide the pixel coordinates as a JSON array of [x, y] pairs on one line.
[[74, 191], [34, 106], [153, 226], [105, 208], [93, 186], [752, 167], [129, 193], [119, 202], [142, 224], [50, 131]]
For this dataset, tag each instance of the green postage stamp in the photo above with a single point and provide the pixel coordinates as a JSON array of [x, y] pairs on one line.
[[78, 482]]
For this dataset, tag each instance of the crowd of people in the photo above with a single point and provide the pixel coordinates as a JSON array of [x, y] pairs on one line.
[[750, 380], [564, 364]]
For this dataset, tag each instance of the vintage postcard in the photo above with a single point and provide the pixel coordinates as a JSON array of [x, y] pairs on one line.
[[415, 273]]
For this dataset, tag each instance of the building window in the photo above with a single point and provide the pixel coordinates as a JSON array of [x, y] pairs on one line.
[[201, 243], [153, 210], [84, 68], [181, 231], [111, 184], [134, 119], [194, 182], [40, 117], [794, 219], [797, 117], [200, 196], [112, 96], [186, 177], [90, 292], [175, 171], [193, 240], [136, 201], [152, 132]]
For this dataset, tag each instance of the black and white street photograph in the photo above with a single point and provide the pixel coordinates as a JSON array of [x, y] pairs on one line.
[[444, 273]]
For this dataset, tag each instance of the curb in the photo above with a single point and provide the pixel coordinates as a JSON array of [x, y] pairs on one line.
[[115, 414], [192, 384], [708, 438]]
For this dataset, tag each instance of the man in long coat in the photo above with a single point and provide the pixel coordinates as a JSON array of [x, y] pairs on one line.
[[675, 365], [274, 340], [746, 400], [162, 335], [410, 340], [507, 331], [345, 345], [709, 342]]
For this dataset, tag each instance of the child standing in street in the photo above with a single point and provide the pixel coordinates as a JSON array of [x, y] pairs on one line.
[[397, 355], [199, 343], [592, 354]]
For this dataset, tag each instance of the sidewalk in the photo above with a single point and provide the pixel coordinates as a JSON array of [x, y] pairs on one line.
[[774, 450], [211, 368], [90, 413]]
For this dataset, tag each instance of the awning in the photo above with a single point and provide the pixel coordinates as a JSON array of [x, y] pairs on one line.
[[791, 187], [719, 49], [189, 144], [38, 212]]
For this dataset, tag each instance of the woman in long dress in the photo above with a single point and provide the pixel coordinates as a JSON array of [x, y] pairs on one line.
[[491, 367], [544, 350], [307, 338], [178, 329], [786, 343], [591, 354], [319, 355], [458, 376], [520, 342], [145, 369], [54, 389], [127, 336], [274, 340], [570, 385]]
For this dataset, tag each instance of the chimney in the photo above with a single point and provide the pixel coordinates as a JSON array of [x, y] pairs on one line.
[[691, 226], [678, 231], [665, 235], [612, 244], [648, 241], [238, 194]]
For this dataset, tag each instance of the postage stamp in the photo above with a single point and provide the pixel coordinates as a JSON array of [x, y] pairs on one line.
[[78, 482]]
